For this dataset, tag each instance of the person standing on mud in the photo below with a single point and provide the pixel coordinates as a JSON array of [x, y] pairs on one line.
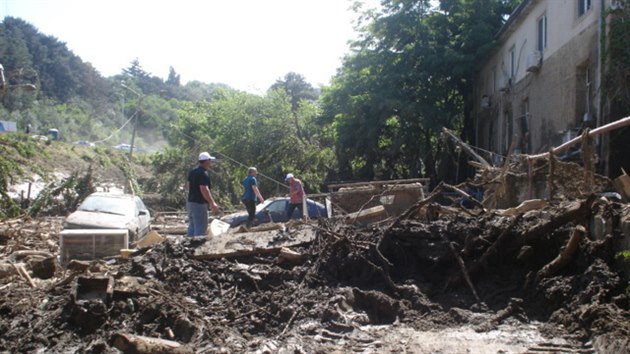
[[296, 195], [251, 194], [200, 197]]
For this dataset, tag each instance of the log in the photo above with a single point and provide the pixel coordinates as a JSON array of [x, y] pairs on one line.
[[564, 256], [288, 255], [366, 216], [26, 253], [133, 344]]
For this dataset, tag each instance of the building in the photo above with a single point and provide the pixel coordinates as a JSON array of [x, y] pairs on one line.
[[6, 126], [541, 85]]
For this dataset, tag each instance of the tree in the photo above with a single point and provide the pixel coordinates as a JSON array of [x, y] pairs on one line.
[[173, 78], [296, 87], [409, 75]]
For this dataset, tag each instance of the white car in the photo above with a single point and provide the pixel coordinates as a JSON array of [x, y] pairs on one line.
[[84, 143], [125, 147], [112, 211]]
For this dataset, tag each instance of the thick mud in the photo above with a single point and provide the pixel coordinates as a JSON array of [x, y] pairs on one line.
[[398, 287]]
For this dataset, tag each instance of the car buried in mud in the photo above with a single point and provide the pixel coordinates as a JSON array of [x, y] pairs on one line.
[[275, 210], [111, 211]]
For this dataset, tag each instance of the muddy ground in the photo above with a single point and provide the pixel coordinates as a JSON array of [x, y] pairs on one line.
[[397, 287]]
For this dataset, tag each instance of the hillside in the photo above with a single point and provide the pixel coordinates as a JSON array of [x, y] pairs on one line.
[[48, 165]]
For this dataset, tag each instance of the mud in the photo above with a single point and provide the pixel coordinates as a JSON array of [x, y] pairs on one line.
[[394, 288]]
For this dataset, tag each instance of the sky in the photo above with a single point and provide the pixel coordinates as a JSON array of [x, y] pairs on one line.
[[246, 44]]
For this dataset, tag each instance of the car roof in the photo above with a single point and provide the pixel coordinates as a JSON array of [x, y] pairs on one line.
[[112, 195]]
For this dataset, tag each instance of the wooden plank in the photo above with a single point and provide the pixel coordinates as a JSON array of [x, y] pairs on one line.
[[622, 185], [367, 215], [359, 184], [230, 245]]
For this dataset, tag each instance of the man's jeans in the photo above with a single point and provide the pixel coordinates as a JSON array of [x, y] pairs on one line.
[[197, 218]]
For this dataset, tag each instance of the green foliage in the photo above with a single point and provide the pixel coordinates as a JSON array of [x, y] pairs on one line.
[[63, 197], [16, 150], [409, 76], [624, 255], [616, 83], [245, 130]]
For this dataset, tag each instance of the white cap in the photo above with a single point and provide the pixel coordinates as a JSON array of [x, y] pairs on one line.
[[206, 156], [288, 177]]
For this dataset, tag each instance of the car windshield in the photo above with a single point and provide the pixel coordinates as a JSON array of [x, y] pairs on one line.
[[262, 205], [109, 205]]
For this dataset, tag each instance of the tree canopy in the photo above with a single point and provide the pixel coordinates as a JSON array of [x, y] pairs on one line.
[[407, 76]]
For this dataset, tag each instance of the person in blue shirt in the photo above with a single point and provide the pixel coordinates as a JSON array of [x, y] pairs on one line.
[[251, 194], [200, 197]]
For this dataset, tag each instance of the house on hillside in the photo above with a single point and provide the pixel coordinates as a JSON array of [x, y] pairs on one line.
[[6, 126], [541, 85]]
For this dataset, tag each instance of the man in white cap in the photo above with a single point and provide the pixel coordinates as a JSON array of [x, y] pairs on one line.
[[200, 197], [296, 195]]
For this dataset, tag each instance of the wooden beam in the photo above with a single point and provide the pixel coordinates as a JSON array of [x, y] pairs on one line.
[[371, 183], [466, 148]]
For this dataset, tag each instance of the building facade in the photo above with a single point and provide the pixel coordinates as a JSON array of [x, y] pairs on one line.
[[540, 86]]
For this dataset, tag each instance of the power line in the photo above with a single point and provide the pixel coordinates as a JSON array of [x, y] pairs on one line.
[[119, 129], [231, 159]]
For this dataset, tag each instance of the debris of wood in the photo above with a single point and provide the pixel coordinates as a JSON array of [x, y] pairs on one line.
[[181, 229], [565, 255], [593, 133], [126, 252], [134, 344], [288, 255], [466, 148], [622, 185], [231, 245], [367, 216], [149, 239], [528, 205], [19, 268]]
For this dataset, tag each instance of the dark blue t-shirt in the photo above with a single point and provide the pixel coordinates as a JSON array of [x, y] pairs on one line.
[[197, 177], [249, 194]]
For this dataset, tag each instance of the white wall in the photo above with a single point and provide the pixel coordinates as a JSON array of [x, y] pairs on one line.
[[563, 24]]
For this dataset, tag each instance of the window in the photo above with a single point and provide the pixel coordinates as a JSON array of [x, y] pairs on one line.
[[583, 6], [512, 63], [542, 33], [278, 207]]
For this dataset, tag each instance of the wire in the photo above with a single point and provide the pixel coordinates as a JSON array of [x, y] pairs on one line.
[[119, 129], [231, 159]]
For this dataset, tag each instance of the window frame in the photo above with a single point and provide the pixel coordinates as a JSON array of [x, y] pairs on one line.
[[541, 33], [583, 7]]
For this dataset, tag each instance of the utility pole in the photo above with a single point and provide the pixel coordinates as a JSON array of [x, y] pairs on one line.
[[135, 118]]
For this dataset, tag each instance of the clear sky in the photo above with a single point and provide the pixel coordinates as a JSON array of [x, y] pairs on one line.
[[246, 44]]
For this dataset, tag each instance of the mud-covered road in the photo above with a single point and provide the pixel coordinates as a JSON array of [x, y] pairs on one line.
[[448, 282]]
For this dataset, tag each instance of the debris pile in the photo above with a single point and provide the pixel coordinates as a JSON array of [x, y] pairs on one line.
[[430, 268]]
